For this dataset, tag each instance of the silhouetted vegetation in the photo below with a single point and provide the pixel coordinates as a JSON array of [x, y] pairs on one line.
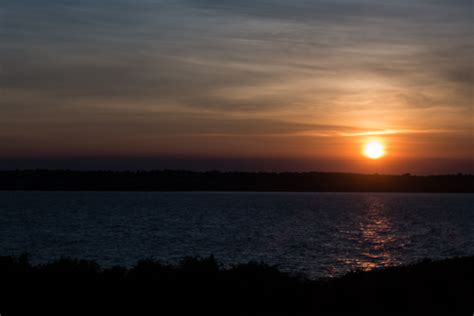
[[175, 180], [200, 286]]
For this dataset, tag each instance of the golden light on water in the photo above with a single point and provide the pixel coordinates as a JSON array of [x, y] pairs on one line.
[[376, 238], [374, 149]]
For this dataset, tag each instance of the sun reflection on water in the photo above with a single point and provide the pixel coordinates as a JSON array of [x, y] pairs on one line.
[[375, 238]]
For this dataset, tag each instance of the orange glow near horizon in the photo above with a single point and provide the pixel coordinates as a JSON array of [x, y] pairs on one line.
[[374, 149]]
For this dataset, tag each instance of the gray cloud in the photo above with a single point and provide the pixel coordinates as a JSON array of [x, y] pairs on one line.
[[264, 61]]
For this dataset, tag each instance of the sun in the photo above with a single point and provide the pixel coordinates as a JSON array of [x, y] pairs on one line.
[[374, 150]]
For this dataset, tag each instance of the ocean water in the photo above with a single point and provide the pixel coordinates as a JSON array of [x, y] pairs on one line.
[[318, 234]]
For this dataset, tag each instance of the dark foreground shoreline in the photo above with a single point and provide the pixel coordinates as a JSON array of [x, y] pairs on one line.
[[180, 180], [200, 286]]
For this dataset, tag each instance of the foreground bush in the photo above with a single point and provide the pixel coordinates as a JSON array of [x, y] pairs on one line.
[[200, 286]]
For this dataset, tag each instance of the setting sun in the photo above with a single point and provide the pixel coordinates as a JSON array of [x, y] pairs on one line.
[[374, 150]]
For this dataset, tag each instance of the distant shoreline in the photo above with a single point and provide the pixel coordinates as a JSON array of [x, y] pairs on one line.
[[215, 181], [233, 192]]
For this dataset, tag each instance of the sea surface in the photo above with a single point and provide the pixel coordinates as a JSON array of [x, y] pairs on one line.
[[318, 234]]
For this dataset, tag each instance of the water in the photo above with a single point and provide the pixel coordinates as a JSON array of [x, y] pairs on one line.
[[319, 234]]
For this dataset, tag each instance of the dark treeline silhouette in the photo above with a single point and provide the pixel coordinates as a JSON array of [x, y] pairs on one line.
[[177, 180], [200, 286]]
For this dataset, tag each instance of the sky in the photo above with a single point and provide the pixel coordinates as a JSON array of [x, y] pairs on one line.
[[252, 85]]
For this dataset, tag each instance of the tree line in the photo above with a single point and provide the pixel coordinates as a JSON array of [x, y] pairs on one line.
[[181, 180]]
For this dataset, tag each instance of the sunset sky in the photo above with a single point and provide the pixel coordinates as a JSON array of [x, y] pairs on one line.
[[237, 84]]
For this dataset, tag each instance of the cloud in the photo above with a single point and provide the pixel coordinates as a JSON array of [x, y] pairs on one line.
[[234, 68]]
